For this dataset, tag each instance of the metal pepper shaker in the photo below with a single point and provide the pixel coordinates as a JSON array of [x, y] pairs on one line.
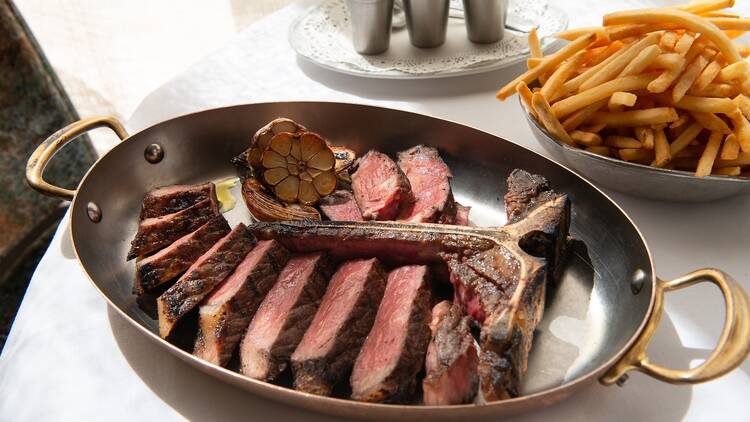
[[485, 20], [427, 21], [371, 25]]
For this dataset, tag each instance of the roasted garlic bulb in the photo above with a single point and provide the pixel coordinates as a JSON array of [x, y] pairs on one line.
[[263, 136], [265, 207], [300, 167]]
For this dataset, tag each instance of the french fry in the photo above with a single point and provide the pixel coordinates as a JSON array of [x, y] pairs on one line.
[[640, 62], [586, 138], [743, 102], [666, 17], [604, 53], [572, 34], [741, 129], [622, 142], [715, 90], [600, 150], [744, 50], [706, 104], [737, 24], [728, 171], [593, 128], [533, 62], [645, 135], [684, 44], [580, 116], [742, 160], [549, 120], [621, 98], [636, 154], [553, 88], [635, 117], [526, 94], [661, 148], [711, 122], [706, 161], [668, 40], [575, 83], [548, 63], [706, 6], [669, 61], [687, 79], [665, 80], [684, 118], [733, 72], [731, 149], [621, 32], [708, 75], [613, 68], [535, 48], [687, 136], [569, 105]]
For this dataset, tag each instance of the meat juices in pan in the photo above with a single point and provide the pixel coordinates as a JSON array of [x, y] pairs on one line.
[[451, 362], [379, 186], [205, 274], [330, 345], [283, 316], [429, 178], [174, 198], [163, 266], [225, 314], [393, 353]]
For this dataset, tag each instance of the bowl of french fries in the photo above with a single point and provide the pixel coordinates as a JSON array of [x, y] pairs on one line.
[[654, 103]]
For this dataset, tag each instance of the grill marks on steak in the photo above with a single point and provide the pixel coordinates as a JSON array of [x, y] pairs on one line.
[[394, 351], [283, 316], [158, 232], [170, 199], [168, 263], [205, 274], [341, 206], [326, 354], [379, 186], [225, 314], [451, 362], [429, 178]]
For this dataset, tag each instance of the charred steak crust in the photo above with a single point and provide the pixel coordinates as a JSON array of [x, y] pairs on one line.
[[451, 363], [225, 314], [429, 178], [158, 232], [318, 373], [171, 199], [276, 357], [396, 384], [202, 277], [171, 261], [379, 186]]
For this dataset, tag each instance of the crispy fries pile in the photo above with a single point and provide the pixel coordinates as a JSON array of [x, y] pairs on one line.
[[665, 87]]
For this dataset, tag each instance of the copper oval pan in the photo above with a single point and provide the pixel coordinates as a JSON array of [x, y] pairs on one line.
[[609, 295]]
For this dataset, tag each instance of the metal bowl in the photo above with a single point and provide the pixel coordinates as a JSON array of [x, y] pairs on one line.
[[638, 179]]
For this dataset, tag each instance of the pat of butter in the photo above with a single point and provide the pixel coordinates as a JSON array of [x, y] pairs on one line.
[[224, 187]]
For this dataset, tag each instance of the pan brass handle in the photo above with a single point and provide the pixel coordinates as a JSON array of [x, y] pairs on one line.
[[732, 349], [44, 152]]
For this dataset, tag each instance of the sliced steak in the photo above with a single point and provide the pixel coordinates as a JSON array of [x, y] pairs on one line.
[[462, 215], [283, 316], [170, 199], [393, 353], [225, 314], [341, 206], [168, 263], [451, 363], [329, 347], [429, 178], [202, 277], [158, 232], [379, 186]]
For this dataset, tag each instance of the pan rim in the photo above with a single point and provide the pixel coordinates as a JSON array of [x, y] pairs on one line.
[[290, 395]]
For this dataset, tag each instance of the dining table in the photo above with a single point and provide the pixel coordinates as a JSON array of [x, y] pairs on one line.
[[70, 357]]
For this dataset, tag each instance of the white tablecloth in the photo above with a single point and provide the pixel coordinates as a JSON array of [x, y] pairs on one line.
[[69, 357]]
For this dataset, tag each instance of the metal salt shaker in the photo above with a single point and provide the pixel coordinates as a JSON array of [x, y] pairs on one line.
[[371, 24], [427, 21], [485, 20]]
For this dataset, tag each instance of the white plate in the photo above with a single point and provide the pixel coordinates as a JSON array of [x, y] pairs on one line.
[[322, 35]]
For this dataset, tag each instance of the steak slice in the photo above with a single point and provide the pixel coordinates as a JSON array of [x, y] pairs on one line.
[[283, 316], [451, 363], [379, 186], [330, 345], [225, 314], [341, 206], [170, 199], [168, 263], [202, 277], [429, 178], [158, 232], [462, 215], [393, 353]]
